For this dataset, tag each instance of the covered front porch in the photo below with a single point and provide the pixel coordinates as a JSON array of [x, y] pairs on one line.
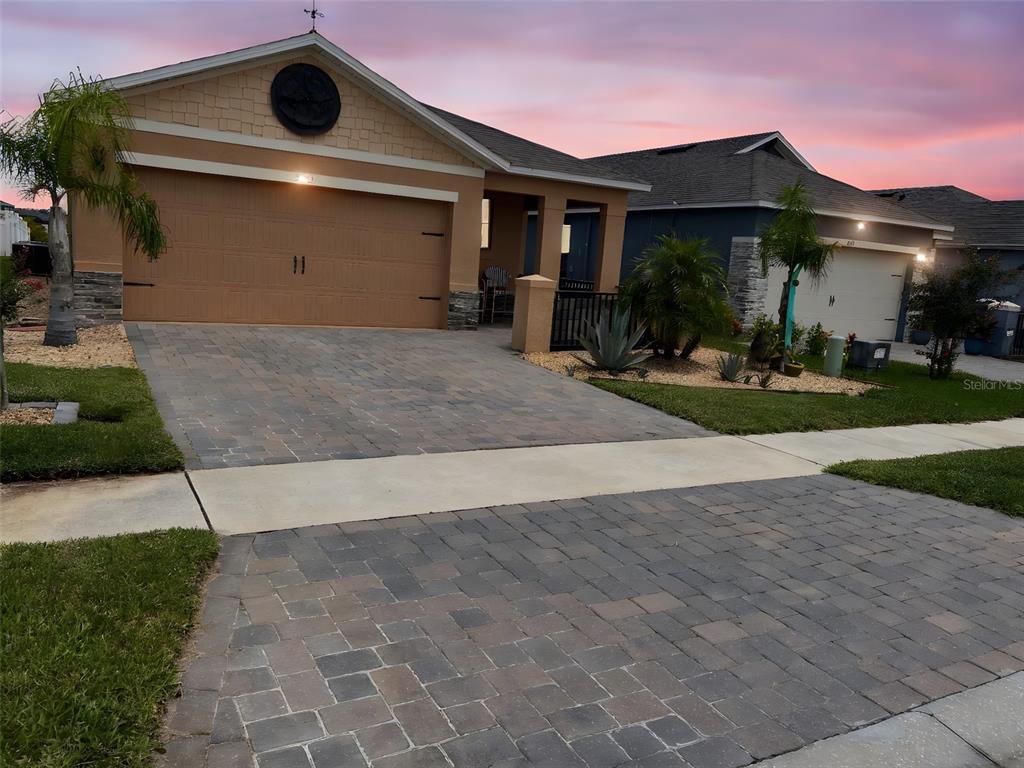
[[519, 274]]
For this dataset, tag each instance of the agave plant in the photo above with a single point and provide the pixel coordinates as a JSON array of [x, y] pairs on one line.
[[730, 367], [610, 344]]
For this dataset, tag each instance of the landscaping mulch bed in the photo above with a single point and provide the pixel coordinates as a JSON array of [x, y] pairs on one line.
[[701, 370], [98, 347], [26, 416]]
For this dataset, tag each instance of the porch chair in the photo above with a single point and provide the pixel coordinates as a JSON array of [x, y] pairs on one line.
[[497, 285]]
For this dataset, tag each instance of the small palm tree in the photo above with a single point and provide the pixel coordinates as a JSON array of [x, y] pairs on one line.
[[72, 144], [678, 289], [792, 241]]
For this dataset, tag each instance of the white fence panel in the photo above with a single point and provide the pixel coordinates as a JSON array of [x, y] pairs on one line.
[[13, 229]]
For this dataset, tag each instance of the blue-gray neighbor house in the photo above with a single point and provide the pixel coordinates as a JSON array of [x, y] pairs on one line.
[[725, 190], [992, 227]]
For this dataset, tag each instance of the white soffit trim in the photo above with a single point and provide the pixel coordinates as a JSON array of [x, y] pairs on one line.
[[292, 177], [570, 177], [819, 211], [865, 245], [880, 219], [782, 140], [298, 147], [868, 245]]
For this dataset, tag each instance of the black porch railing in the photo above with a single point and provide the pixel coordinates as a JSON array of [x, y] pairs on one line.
[[1017, 349], [574, 312], [568, 284]]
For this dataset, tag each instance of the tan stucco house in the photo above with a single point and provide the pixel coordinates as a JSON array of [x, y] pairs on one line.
[[298, 186]]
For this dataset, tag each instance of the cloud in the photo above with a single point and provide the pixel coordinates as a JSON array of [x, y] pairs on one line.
[[890, 86]]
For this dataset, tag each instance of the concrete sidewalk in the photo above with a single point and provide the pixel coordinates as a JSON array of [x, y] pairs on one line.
[[102, 506], [979, 728], [837, 445], [251, 499], [262, 498]]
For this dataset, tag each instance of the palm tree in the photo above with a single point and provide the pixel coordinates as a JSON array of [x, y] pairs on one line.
[[72, 144], [679, 290], [792, 241]]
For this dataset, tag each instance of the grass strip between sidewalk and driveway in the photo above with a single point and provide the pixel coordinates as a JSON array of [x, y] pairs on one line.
[[985, 478], [907, 396], [92, 630], [119, 430]]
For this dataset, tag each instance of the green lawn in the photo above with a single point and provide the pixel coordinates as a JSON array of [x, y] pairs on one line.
[[985, 478], [91, 633], [909, 397], [119, 428]]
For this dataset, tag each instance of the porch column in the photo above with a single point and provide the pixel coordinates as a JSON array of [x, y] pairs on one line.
[[464, 261], [611, 230], [531, 321], [550, 218]]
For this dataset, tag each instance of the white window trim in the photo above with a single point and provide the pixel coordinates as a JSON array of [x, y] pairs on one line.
[[275, 174], [485, 225]]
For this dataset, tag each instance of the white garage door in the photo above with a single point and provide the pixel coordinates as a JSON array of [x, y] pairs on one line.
[[861, 294]]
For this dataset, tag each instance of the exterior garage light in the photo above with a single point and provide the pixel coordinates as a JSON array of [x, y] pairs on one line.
[[861, 225], [304, 179], [921, 257]]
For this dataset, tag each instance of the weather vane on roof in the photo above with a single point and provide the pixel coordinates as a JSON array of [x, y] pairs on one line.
[[313, 14]]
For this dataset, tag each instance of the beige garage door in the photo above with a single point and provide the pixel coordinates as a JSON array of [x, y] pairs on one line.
[[860, 295], [243, 251]]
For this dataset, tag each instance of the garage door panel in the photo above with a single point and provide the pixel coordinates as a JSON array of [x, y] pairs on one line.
[[232, 243], [860, 294]]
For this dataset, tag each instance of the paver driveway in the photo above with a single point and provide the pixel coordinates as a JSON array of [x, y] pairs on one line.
[[236, 395], [702, 627]]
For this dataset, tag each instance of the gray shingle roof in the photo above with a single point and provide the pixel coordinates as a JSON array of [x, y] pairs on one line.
[[978, 220], [712, 172], [523, 153]]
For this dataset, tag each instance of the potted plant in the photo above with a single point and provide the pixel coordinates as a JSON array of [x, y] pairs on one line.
[[981, 332], [792, 367], [920, 337], [766, 342]]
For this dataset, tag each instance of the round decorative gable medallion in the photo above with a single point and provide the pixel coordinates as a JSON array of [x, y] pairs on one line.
[[305, 99]]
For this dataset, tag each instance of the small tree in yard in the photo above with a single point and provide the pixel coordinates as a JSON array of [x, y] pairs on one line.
[[12, 290], [678, 289], [791, 241], [946, 303], [72, 144]]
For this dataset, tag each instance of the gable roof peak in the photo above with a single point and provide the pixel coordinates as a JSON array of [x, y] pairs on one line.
[[476, 145]]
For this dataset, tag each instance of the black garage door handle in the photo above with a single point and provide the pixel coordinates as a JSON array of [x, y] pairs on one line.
[[430, 298], [141, 285]]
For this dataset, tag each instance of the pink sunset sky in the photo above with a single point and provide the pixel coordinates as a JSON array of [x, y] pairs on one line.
[[875, 94]]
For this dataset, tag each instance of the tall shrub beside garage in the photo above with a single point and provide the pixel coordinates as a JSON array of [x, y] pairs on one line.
[[72, 144]]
